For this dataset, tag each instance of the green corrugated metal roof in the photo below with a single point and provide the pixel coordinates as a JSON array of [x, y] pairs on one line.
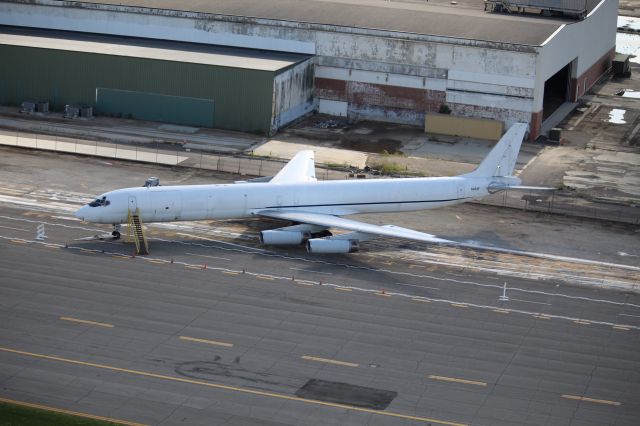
[[153, 49]]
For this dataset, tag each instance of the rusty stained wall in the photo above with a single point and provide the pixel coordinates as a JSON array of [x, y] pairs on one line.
[[506, 115], [379, 101], [292, 94], [392, 79]]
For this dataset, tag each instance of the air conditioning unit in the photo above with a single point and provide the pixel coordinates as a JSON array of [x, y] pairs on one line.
[[28, 107], [43, 107], [86, 111], [71, 111]]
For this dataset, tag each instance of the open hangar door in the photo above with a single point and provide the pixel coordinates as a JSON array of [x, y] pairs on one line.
[[556, 91]]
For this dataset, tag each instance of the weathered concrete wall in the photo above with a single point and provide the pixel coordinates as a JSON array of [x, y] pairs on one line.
[[292, 94], [402, 80], [382, 75], [580, 85]]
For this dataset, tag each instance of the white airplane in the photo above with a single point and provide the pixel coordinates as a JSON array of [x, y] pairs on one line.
[[314, 206]]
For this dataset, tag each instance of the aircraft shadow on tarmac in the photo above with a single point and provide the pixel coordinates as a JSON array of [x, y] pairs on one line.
[[365, 269]]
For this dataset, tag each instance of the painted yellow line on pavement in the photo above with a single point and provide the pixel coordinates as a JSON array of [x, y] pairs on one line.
[[597, 401], [72, 413], [209, 342], [304, 283], [99, 324], [52, 246], [233, 388], [344, 289], [581, 322], [230, 272], [621, 327], [18, 241], [121, 257], [193, 266], [329, 361], [265, 277], [14, 192], [157, 262], [459, 305], [456, 380], [500, 311], [420, 299], [544, 317], [379, 293]]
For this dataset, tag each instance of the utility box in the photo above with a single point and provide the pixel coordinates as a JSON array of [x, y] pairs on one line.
[[71, 111], [43, 107], [555, 134], [28, 107], [86, 111], [621, 66]]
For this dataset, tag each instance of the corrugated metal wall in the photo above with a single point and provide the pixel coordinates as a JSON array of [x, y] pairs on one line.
[[154, 107], [243, 97]]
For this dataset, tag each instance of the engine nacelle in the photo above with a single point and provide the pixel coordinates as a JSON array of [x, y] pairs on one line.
[[284, 237], [332, 246]]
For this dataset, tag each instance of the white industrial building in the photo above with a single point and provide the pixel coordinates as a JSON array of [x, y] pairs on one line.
[[382, 60]]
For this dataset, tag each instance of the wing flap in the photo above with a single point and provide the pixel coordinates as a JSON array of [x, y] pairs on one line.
[[331, 221]]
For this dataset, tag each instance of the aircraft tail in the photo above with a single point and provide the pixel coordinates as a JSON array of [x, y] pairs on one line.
[[501, 160]]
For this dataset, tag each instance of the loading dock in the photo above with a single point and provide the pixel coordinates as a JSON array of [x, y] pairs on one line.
[[556, 91]]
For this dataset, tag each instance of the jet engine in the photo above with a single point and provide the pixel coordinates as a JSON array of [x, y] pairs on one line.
[[320, 245], [274, 237]]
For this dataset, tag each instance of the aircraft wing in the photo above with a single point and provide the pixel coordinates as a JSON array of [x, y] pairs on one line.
[[331, 221], [301, 168]]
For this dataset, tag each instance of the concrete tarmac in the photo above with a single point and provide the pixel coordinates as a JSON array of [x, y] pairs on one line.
[[213, 329]]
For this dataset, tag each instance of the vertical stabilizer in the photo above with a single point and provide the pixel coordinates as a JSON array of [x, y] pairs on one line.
[[501, 160]]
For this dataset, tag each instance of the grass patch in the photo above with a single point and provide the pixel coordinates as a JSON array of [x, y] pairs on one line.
[[386, 153], [387, 168], [18, 415], [260, 157], [337, 166]]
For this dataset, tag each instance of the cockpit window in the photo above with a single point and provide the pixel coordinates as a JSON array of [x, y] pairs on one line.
[[98, 202]]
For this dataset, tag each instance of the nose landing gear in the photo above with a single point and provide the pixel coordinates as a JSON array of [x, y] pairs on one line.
[[116, 231]]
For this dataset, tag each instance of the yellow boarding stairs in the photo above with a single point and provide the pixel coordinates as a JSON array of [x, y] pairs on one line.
[[135, 233]]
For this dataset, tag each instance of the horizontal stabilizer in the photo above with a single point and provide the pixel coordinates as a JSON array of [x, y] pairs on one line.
[[497, 187], [532, 188]]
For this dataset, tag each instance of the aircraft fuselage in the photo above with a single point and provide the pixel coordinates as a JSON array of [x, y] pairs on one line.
[[228, 201]]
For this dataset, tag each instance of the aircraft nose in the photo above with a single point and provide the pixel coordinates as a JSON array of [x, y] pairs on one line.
[[81, 212]]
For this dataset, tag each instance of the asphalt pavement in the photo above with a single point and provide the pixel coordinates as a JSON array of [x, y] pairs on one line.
[[212, 328]]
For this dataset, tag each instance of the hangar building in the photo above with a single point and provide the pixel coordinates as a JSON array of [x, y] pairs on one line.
[[185, 83], [363, 59]]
